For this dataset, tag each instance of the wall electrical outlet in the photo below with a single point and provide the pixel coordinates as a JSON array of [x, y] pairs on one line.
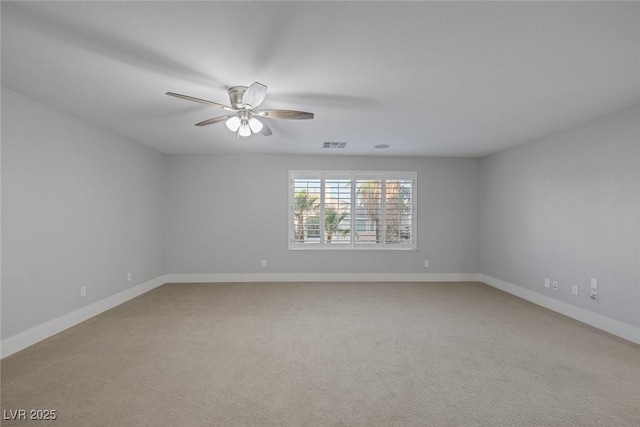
[[427, 264], [547, 283], [594, 296], [594, 283], [263, 263], [83, 291], [574, 289], [555, 285], [129, 277]]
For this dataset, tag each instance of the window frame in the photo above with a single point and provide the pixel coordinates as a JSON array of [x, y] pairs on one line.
[[353, 175]]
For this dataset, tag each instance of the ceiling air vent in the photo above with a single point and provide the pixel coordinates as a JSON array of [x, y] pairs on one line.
[[334, 145]]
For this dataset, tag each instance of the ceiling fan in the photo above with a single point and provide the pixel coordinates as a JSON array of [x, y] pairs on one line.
[[244, 113]]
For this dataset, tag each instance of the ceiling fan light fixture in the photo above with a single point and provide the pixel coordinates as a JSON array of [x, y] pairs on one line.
[[244, 103], [233, 123], [255, 125]]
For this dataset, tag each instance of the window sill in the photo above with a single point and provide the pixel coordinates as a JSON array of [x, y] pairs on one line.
[[350, 248]]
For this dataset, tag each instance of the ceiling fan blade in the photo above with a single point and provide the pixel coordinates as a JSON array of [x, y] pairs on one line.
[[215, 120], [254, 95], [266, 130], [202, 101], [287, 114]]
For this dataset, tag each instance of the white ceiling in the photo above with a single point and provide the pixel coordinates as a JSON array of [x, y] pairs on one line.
[[427, 78]]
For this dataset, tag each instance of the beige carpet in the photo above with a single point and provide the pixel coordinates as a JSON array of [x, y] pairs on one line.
[[327, 354]]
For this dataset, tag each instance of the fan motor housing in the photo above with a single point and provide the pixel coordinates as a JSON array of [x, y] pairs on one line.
[[235, 95]]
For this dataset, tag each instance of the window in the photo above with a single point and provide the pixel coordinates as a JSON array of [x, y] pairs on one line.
[[352, 210]]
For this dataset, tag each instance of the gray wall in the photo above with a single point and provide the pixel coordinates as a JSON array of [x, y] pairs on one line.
[[228, 212], [80, 207], [567, 207]]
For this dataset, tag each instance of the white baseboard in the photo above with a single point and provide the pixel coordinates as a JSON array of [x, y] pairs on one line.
[[615, 327], [321, 277], [36, 334]]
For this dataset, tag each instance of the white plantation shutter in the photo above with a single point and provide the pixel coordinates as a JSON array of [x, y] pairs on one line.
[[369, 227], [306, 210], [352, 210], [398, 211]]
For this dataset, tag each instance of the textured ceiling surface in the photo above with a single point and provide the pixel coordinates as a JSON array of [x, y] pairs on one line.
[[426, 78]]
